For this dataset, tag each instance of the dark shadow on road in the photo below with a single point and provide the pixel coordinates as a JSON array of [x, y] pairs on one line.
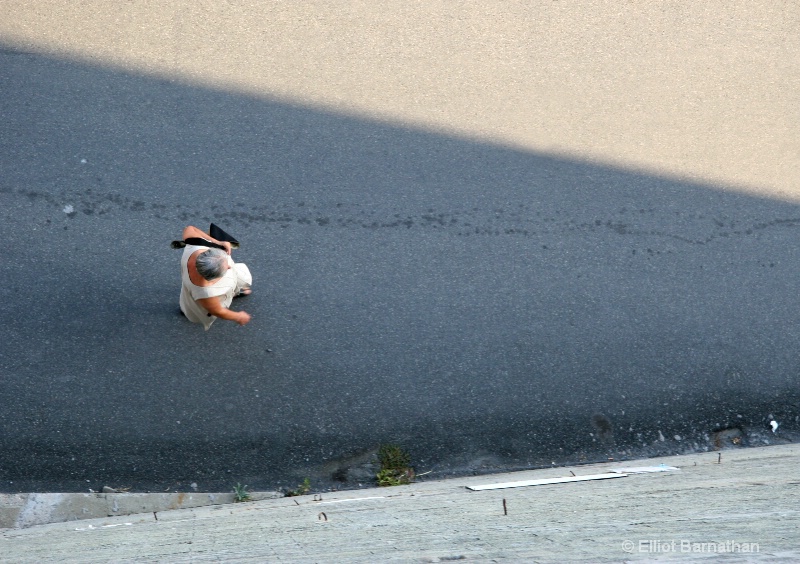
[[486, 308]]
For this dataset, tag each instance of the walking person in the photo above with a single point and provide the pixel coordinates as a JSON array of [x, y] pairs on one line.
[[210, 279]]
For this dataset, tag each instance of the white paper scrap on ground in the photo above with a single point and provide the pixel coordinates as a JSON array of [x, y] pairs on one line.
[[545, 481], [350, 499], [645, 469]]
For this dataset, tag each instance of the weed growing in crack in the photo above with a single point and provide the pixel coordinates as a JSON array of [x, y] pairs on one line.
[[396, 467], [240, 493], [302, 489]]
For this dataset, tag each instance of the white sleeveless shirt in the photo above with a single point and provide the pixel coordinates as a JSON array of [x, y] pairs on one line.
[[226, 288]]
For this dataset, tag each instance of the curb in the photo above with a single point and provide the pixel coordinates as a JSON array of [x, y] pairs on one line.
[[27, 510]]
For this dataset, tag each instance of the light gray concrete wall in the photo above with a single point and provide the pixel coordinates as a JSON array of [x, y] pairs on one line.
[[742, 507]]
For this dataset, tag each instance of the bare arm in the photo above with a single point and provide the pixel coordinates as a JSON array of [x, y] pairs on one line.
[[214, 307], [192, 231]]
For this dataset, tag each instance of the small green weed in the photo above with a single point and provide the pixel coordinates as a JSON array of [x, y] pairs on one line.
[[302, 489], [392, 477], [240, 493], [396, 467]]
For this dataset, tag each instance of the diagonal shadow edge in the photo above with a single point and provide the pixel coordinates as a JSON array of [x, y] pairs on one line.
[[9, 48]]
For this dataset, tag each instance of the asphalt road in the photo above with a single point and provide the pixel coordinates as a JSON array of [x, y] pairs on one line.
[[487, 308]]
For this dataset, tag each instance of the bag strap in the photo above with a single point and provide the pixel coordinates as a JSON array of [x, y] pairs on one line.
[[196, 241]]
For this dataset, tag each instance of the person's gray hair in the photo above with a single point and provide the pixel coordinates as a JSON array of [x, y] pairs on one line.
[[211, 263]]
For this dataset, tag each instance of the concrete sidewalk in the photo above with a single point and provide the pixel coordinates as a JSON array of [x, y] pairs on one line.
[[734, 505]]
